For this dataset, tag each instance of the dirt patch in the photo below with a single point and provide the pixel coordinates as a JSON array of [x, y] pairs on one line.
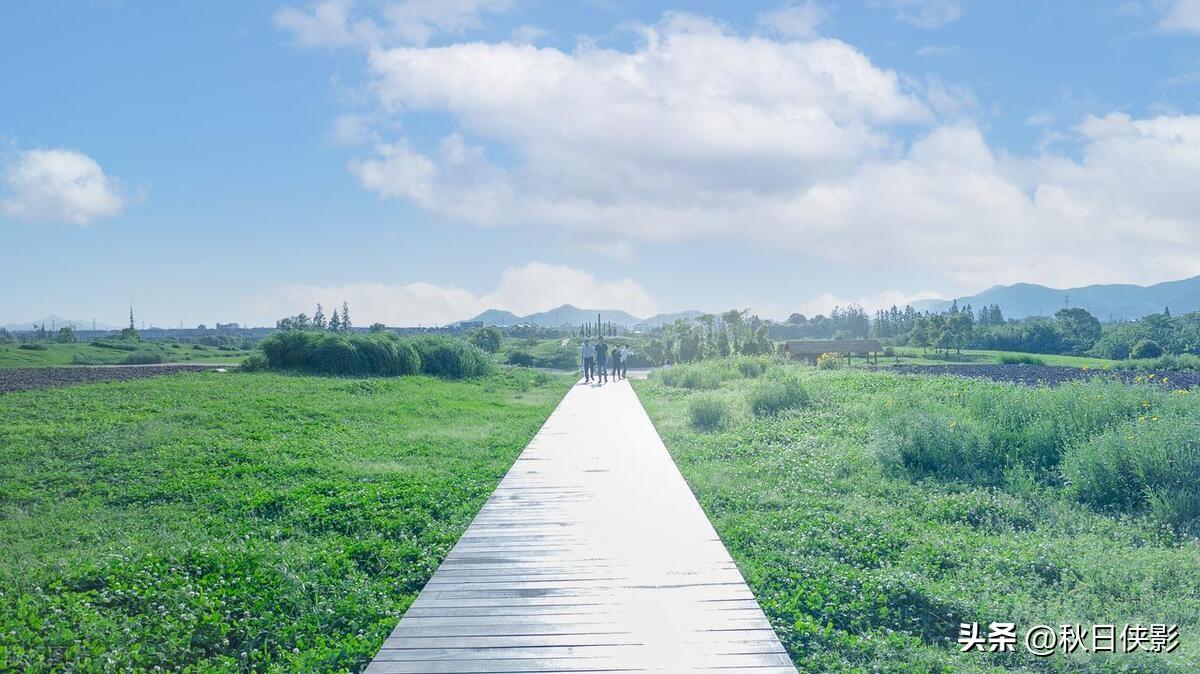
[[28, 378], [1046, 375]]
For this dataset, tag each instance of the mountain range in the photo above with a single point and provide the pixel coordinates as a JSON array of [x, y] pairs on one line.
[[54, 322], [1106, 302], [572, 315]]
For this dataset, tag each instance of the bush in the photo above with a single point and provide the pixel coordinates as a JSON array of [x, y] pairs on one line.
[[1150, 464], [330, 353], [521, 358], [933, 445], [255, 362], [1020, 359], [33, 346], [708, 412], [1146, 348], [828, 361], [777, 395], [143, 358], [450, 357], [116, 346], [697, 377], [487, 339], [750, 367], [66, 335]]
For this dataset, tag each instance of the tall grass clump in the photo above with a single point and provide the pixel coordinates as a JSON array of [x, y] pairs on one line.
[[326, 353], [775, 395], [696, 377], [928, 444], [1150, 464], [143, 358], [451, 358], [1020, 359], [708, 412]]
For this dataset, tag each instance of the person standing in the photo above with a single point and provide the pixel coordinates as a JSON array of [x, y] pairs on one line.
[[624, 361], [601, 360], [589, 357]]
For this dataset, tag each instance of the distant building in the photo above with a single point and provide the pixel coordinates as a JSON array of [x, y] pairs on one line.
[[228, 326], [470, 325]]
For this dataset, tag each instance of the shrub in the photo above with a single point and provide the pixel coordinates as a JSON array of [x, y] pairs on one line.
[[1146, 348], [487, 339], [750, 367], [66, 335], [335, 353], [33, 346], [1020, 359], [521, 358], [143, 358], [116, 346], [1149, 464], [933, 445], [708, 412], [450, 357], [828, 361], [255, 362], [697, 377], [777, 395]]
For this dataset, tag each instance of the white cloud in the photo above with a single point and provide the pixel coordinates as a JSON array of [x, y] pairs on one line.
[[522, 290], [1181, 16], [59, 185], [526, 34], [341, 23], [795, 20], [698, 134], [353, 129], [923, 13], [823, 303]]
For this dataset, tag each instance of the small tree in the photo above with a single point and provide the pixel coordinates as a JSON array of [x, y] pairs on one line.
[[66, 335], [346, 324], [318, 319], [335, 322], [487, 339], [377, 328]]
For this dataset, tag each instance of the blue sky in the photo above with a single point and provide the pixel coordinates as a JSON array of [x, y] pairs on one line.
[[424, 160]]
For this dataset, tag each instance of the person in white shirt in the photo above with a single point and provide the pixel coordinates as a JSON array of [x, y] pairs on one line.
[[588, 353], [624, 360]]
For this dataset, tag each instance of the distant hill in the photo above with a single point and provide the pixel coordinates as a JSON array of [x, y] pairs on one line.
[[572, 315], [55, 321], [1113, 301]]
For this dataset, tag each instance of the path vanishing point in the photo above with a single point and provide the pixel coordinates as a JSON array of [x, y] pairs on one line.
[[592, 555]]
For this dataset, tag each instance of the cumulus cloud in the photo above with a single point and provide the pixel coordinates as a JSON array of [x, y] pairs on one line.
[[342, 23], [59, 185], [1181, 16], [521, 290], [701, 134]]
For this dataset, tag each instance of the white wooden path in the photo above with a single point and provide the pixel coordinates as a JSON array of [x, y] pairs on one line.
[[592, 555]]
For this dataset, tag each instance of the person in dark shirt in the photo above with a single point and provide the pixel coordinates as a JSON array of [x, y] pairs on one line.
[[601, 360]]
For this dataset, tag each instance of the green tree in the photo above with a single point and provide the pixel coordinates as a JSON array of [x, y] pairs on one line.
[[487, 339], [318, 319], [377, 328], [66, 335], [1079, 329], [335, 322], [346, 324]]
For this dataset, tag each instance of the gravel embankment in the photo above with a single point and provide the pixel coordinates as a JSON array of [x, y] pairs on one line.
[[27, 378], [1034, 375]]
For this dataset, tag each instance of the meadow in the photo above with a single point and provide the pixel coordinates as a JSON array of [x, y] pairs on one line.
[[872, 513], [237, 522], [112, 352]]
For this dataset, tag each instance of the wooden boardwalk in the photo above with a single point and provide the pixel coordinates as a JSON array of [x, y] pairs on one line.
[[592, 555]]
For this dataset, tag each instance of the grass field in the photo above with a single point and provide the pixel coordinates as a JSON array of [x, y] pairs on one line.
[[240, 522], [864, 567], [11, 355], [907, 355]]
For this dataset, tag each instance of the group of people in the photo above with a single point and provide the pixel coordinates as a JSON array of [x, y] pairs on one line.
[[596, 357]]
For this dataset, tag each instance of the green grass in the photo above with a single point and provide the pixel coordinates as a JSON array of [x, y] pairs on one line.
[[863, 566], [86, 354], [240, 522], [908, 355]]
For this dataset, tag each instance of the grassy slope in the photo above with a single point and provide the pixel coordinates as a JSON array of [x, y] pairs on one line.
[[65, 354], [230, 522], [861, 571]]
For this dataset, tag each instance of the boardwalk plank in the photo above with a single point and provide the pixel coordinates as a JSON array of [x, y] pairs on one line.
[[592, 555]]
